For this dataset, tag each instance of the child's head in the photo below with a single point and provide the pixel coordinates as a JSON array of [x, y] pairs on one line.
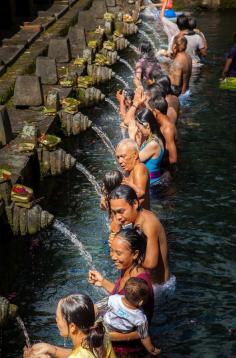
[[136, 291], [111, 180]]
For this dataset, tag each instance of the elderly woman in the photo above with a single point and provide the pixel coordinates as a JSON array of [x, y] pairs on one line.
[[75, 317], [144, 130], [127, 250]]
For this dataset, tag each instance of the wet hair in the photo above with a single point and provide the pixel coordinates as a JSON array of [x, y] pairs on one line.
[[137, 241], [165, 85], [182, 22], [145, 48], [155, 74], [192, 23], [144, 115], [153, 90], [180, 42], [124, 192], [111, 180], [129, 94], [136, 290], [79, 309], [159, 103]]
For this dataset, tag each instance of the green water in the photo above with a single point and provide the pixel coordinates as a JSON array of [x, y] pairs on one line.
[[198, 214]]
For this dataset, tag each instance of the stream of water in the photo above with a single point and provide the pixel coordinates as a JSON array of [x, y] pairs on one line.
[[105, 139], [24, 330], [198, 212]]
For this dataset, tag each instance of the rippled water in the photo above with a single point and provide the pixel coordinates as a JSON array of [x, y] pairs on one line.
[[198, 213]]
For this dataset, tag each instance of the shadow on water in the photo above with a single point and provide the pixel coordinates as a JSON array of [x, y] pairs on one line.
[[199, 217]]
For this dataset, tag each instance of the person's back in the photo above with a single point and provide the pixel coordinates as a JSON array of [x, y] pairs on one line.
[[194, 45], [181, 68], [149, 223]]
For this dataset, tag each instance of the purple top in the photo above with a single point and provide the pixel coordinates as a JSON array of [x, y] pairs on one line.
[[232, 55], [147, 67]]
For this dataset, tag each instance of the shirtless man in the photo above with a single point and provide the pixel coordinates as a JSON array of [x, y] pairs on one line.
[[136, 173], [125, 211], [159, 107], [181, 68]]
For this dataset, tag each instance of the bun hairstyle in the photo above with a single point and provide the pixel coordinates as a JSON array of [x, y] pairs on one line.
[[79, 309], [137, 241], [144, 116]]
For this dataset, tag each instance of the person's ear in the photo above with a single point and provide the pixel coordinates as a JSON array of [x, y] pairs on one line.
[[73, 329], [135, 254], [136, 205]]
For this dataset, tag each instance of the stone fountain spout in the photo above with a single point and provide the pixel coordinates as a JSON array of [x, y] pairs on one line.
[[8, 311]]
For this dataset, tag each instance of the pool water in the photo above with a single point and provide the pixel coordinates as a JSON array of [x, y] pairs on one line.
[[198, 213]]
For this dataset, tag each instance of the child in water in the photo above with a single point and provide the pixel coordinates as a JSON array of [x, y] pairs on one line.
[[111, 180], [124, 313]]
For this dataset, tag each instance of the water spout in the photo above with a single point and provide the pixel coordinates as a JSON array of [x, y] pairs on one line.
[[105, 139], [90, 177], [135, 49], [126, 63], [121, 80], [142, 32], [149, 27], [74, 239], [114, 106], [24, 330]]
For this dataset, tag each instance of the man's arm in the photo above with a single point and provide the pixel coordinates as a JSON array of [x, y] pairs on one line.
[[227, 66], [151, 230], [140, 181], [170, 146]]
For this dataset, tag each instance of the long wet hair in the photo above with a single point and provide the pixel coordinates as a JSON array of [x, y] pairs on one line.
[[137, 241], [111, 180], [79, 309], [146, 50], [159, 103], [144, 115]]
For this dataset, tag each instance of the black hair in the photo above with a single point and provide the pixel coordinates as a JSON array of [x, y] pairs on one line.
[[136, 290], [129, 93], [79, 309], [137, 241], [155, 74], [124, 192], [146, 48], [154, 90], [111, 180], [159, 103], [144, 115], [165, 84], [182, 22], [192, 23]]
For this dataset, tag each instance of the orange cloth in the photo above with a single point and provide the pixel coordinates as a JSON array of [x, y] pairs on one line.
[[169, 4]]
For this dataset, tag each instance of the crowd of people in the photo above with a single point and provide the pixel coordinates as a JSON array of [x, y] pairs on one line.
[[147, 159]]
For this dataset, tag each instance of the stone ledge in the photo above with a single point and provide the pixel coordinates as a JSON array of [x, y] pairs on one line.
[[25, 64]]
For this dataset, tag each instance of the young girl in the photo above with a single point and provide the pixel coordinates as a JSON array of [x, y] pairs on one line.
[[111, 180]]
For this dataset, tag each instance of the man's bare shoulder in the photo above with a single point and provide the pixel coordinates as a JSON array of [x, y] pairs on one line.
[[140, 168], [150, 219]]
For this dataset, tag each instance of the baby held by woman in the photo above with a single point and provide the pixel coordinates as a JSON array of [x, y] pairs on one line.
[[123, 314]]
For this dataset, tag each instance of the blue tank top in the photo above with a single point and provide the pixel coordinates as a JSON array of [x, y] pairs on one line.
[[153, 165]]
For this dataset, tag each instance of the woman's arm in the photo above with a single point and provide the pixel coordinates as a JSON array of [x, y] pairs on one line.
[[44, 349], [117, 336], [152, 149], [95, 278]]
